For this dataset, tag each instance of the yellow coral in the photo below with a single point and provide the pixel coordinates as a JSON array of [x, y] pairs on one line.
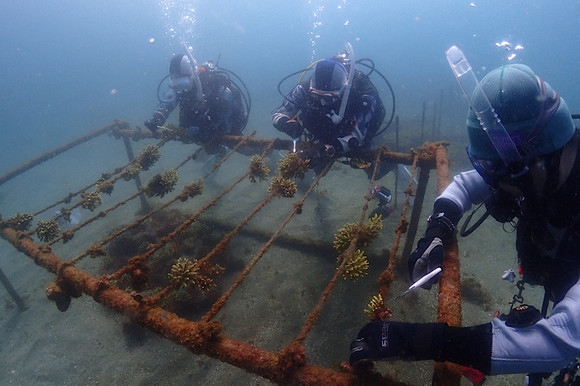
[[186, 272], [375, 225], [105, 186], [257, 169], [356, 267], [375, 304], [47, 230], [20, 221], [293, 166], [131, 172], [283, 187], [161, 184], [148, 156], [191, 190], [91, 200], [343, 237], [366, 233]]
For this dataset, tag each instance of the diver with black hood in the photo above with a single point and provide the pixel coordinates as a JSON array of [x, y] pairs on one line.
[[210, 102], [337, 109]]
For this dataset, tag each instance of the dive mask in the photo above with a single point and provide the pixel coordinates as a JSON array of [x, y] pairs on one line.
[[183, 83], [492, 171], [324, 97]]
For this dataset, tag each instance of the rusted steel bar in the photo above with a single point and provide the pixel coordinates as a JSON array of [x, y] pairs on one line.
[[449, 308], [257, 145], [199, 337], [427, 160], [54, 152]]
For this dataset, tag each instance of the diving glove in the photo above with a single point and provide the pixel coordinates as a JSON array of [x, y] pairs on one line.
[[429, 252], [291, 127], [153, 123], [381, 340]]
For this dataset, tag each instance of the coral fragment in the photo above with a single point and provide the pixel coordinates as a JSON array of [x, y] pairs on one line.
[[283, 187], [258, 171], [161, 184], [20, 221], [293, 166], [47, 230]]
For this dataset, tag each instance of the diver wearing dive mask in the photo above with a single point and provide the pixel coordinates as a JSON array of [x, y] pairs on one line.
[[211, 104], [533, 161], [338, 109]]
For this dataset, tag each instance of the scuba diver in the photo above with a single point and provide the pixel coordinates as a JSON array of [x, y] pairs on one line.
[[211, 103], [337, 109], [529, 175]]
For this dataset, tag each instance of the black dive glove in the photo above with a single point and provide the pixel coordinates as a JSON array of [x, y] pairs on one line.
[[429, 252], [153, 123], [381, 340], [291, 127]]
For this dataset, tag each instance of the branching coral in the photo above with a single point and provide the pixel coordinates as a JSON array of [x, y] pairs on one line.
[[186, 273], [366, 233], [20, 221], [105, 186], [131, 172], [258, 171], [191, 190], [148, 156], [356, 267], [91, 200], [171, 131], [375, 304], [376, 309], [293, 166], [283, 187], [161, 184], [47, 230], [65, 214]]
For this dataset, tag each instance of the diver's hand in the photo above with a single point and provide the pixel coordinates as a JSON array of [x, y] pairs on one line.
[[394, 340], [429, 252], [154, 123], [151, 124], [427, 256], [291, 127], [318, 154]]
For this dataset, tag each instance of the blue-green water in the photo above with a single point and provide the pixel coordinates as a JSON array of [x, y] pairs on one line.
[[69, 67]]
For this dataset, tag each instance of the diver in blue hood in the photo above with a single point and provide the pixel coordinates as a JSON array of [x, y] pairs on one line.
[[527, 173], [337, 109], [211, 103]]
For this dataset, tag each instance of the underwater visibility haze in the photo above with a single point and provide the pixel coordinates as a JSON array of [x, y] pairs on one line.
[[69, 67]]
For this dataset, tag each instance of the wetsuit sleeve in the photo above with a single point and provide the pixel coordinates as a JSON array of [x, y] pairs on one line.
[[165, 107], [290, 107], [548, 345], [466, 189]]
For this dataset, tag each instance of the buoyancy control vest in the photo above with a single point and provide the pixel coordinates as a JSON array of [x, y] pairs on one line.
[[548, 230], [317, 122]]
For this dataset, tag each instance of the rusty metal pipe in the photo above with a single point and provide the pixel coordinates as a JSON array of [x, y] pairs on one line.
[[199, 337], [54, 152], [449, 307]]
